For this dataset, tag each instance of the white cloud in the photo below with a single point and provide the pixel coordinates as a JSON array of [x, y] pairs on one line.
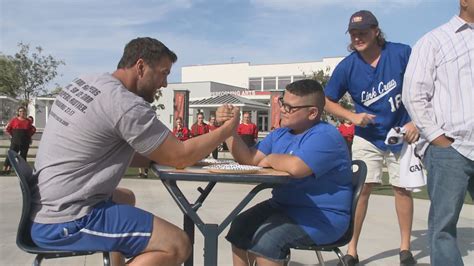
[[89, 35], [318, 4]]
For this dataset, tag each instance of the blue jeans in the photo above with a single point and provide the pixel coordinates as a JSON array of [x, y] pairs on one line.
[[266, 231], [450, 175]]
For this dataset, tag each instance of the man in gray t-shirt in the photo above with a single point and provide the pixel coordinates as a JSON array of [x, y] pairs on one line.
[[96, 126]]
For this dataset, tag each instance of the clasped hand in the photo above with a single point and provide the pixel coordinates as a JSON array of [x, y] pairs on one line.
[[227, 112]]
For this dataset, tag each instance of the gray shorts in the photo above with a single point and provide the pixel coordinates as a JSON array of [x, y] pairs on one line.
[[268, 232]]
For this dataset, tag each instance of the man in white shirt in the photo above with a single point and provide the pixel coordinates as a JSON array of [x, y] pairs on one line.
[[438, 94]]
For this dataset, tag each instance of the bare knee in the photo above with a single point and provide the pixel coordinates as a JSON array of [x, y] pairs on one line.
[[183, 248], [401, 192], [124, 196], [180, 249], [366, 190], [173, 242]]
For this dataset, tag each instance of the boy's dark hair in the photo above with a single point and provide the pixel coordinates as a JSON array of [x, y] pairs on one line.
[[146, 48], [308, 87]]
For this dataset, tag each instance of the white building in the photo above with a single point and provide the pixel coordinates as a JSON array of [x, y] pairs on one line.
[[253, 82], [257, 77]]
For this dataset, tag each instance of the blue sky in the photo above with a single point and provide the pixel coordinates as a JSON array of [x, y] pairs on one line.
[[89, 35]]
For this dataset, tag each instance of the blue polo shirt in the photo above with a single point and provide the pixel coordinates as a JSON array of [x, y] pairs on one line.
[[321, 202], [375, 91]]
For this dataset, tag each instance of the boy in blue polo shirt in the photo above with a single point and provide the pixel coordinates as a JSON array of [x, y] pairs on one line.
[[373, 74], [315, 206]]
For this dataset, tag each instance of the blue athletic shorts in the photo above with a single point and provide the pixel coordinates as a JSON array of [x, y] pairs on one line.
[[108, 227], [267, 231]]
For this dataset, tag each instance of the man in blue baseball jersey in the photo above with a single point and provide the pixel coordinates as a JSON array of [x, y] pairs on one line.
[[372, 75]]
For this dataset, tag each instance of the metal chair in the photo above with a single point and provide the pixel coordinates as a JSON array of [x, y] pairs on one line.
[[359, 174], [23, 237]]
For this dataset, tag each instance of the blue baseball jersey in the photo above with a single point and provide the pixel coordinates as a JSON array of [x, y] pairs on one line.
[[375, 91], [321, 202]]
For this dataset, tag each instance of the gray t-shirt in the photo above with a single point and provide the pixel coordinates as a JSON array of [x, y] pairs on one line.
[[94, 128]]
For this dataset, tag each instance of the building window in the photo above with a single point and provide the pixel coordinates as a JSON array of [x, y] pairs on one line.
[[255, 84], [269, 83], [262, 121], [296, 78], [283, 81]]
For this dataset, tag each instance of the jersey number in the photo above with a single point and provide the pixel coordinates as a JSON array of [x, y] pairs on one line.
[[395, 102]]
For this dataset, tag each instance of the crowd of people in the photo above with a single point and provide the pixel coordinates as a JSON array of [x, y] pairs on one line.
[[247, 130], [77, 204]]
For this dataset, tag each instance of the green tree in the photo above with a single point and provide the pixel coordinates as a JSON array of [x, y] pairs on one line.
[[155, 105], [56, 90], [9, 79], [346, 101], [35, 71]]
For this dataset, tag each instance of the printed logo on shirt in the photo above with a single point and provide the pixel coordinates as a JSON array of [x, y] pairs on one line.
[[74, 98], [369, 97]]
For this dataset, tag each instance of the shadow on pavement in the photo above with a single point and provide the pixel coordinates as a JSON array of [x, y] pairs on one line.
[[420, 246]]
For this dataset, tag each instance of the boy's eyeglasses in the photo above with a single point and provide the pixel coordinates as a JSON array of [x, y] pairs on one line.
[[289, 108]]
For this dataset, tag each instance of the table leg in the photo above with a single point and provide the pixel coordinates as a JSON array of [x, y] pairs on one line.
[[210, 231], [211, 234], [188, 227]]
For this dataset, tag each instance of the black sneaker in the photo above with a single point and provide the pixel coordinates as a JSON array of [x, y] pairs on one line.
[[349, 260], [406, 258]]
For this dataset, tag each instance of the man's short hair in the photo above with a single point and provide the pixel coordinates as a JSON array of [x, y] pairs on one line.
[[146, 48], [311, 88]]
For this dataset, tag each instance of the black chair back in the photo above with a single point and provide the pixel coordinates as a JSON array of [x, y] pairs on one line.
[[23, 237], [359, 173], [25, 176]]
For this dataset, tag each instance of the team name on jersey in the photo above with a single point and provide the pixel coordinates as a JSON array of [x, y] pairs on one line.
[[371, 96]]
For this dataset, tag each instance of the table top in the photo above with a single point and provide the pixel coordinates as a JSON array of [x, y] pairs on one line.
[[197, 173]]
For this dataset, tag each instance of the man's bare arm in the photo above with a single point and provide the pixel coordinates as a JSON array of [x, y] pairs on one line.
[[358, 119], [173, 152]]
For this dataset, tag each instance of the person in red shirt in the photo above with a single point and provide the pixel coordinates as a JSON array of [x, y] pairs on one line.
[[247, 130], [213, 126], [20, 129], [347, 129], [180, 131], [212, 123], [199, 128]]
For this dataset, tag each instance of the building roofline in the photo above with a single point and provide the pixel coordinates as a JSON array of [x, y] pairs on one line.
[[215, 82], [250, 64]]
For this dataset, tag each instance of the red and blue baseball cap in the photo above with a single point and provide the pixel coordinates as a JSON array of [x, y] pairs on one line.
[[362, 20]]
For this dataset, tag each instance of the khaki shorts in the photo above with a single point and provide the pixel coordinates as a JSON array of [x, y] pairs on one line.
[[375, 158]]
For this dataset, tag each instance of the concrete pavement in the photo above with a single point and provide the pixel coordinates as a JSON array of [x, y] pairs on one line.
[[378, 244]]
